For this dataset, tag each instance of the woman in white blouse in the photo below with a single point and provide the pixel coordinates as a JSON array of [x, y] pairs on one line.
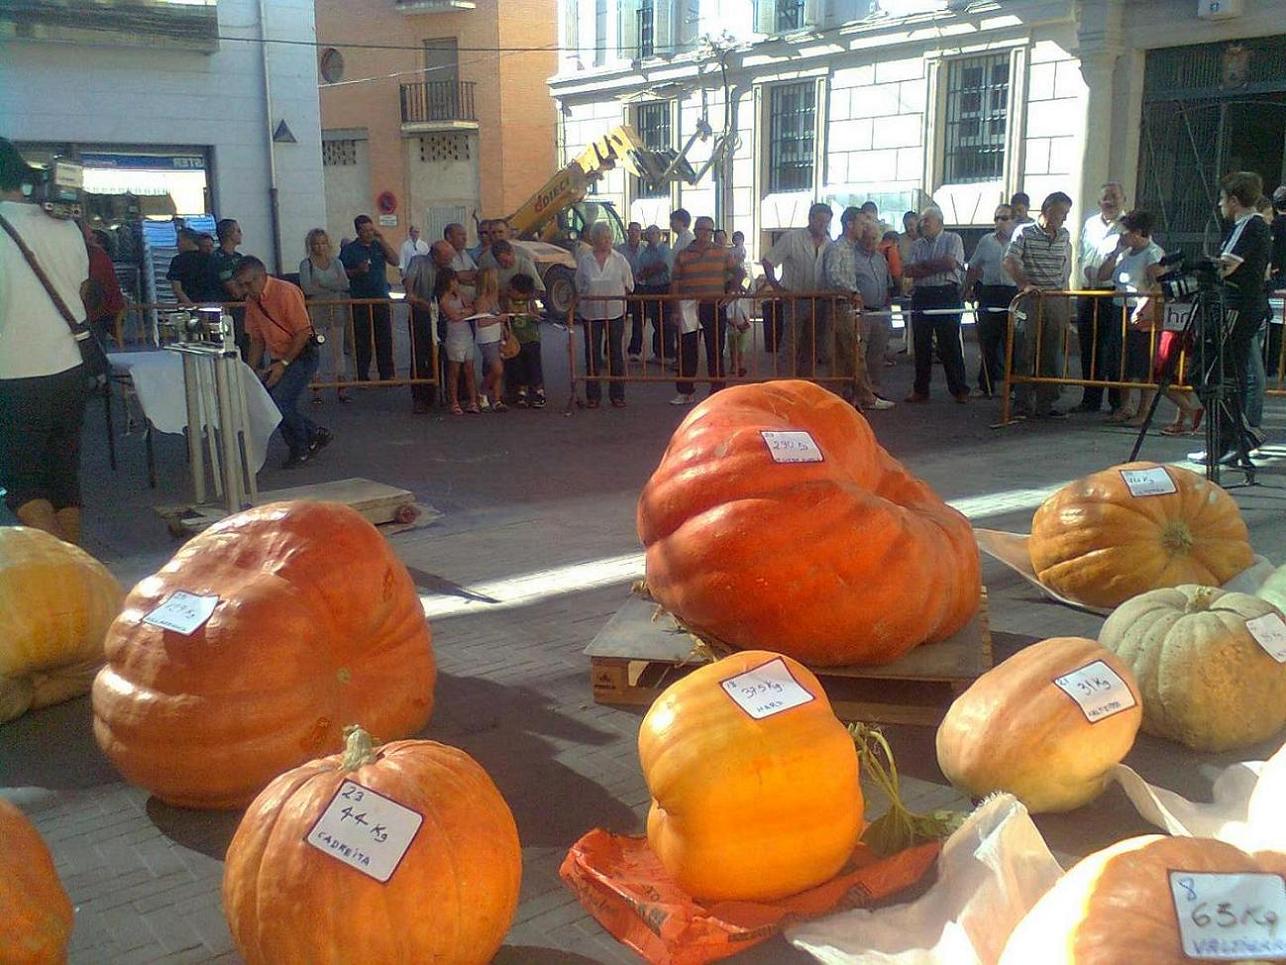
[[322, 277], [602, 272]]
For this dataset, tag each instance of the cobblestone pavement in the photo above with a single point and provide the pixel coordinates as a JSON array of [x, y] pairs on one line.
[[521, 493]]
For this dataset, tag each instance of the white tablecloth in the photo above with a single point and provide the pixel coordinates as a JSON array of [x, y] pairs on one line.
[[158, 383]]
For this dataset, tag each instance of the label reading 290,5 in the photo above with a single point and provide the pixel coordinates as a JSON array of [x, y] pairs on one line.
[[791, 445]]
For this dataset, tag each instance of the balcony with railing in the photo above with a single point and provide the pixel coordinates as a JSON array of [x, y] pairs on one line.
[[438, 105], [433, 6]]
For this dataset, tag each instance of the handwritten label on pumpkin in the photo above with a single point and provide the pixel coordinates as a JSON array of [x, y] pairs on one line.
[[1149, 482], [1098, 689], [791, 445], [182, 612], [1269, 632], [365, 830], [1230, 916], [768, 689]]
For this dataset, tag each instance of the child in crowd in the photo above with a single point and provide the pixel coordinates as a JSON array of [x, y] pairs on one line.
[[526, 374], [490, 333], [738, 312], [739, 247], [459, 341]]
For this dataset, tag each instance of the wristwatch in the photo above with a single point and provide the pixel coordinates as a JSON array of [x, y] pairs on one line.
[[285, 363]]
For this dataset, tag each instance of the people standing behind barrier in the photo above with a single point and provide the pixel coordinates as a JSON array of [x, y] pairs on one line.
[[603, 279], [509, 261], [412, 246], [192, 274], [462, 261], [1133, 266], [630, 249], [489, 332], [226, 259], [323, 278], [1097, 329], [910, 232], [365, 259], [1039, 257], [525, 371], [651, 278], [459, 342], [857, 242], [421, 294], [937, 265], [721, 238], [703, 274], [1020, 204], [888, 247], [680, 232], [799, 255], [989, 285]]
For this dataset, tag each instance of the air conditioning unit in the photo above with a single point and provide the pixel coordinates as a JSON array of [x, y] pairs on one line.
[[1218, 9]]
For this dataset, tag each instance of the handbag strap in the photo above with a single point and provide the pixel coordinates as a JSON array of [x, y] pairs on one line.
[[40, 273]]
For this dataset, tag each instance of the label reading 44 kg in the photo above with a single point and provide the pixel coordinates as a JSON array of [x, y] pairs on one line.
[[791, 445], [1098, 689], [1149, 482], [1230, 916], [768, 689], [366, 830]]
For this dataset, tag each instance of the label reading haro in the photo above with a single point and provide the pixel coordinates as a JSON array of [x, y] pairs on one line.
[[366, 830], [768, 689], [1269, 632], [791, 445], [1230, 916], [182, 612], [1149, 482], [1098, 689]]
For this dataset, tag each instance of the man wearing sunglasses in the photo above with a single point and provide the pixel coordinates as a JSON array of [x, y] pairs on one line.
[[989, 284]]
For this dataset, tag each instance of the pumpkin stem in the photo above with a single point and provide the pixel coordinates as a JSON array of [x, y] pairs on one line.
[[1177, 538], [1201, 599], [359, 749]]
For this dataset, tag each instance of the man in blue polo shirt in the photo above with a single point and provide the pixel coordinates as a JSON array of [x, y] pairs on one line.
[[365, 260]]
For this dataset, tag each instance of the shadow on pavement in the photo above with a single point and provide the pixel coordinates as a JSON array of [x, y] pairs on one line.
[[533, 955], [54, 748], [207, 832]]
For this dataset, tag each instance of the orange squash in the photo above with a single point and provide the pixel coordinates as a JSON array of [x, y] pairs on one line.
[[1116, 907], [847, 559], [745, 808], [317, 623], [450, 900], [1014, 730], [35, 912], [1095, 543]]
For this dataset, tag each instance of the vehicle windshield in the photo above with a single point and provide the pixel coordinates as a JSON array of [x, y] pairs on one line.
[[588, 213]]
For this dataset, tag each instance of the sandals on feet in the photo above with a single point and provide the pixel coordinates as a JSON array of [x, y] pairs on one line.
[[456, 410]]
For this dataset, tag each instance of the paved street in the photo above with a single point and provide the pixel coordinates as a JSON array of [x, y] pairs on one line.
[[535, 493]]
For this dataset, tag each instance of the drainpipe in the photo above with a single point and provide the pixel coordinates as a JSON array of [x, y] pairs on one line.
[[274, 212], [726, 192]]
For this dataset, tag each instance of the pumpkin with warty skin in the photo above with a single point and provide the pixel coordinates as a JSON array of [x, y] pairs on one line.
[[450, 900], [1095, 543], [1014, 730], [1205, 680], [35, 912], [846, 560], [56, 602], [746, 809], [1116, 906], [318, 623]]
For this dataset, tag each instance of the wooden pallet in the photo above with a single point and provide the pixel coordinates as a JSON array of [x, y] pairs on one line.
[[642, 650]]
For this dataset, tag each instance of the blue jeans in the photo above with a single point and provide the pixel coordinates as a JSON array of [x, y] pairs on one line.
[[296, 428], [1256, 379]]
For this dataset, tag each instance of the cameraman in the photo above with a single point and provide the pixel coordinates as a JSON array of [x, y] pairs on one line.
[[42, 383]]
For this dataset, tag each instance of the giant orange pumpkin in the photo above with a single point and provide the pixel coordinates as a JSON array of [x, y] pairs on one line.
[[450, 899], [846, 559], [317, 623], [1096, 543], [35, 912], [745, 808]]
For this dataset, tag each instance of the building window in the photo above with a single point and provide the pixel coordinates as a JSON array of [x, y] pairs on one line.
[[339, 153], [437, 148], [792, 121], [600, 32], [647, 28], [977, 112], [789, 15], [652, 121]]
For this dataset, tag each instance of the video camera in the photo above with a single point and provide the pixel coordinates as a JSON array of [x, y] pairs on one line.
[[208, 325], [1187, 276], [59, 187]]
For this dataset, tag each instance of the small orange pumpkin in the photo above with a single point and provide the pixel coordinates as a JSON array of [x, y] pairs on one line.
[[35, 912], [451, 898]]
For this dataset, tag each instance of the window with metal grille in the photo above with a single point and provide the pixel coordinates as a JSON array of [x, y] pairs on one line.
[[647, 28], [652, 121], [792, 119], [977, 116], [790, 15], [444, 147], [338, 153]]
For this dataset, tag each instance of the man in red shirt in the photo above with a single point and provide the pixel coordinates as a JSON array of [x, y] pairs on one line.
[[282, 352]]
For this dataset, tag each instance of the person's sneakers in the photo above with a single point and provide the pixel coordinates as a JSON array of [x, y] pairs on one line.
[[682, 399], [916, 397], [484, 403], [1050, 415], [881, 403], [520, 400], [538, 399], [320, 440], [635, 357], [295, 461]]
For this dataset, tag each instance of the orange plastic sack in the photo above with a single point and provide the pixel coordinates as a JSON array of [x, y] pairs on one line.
[[623, 885]]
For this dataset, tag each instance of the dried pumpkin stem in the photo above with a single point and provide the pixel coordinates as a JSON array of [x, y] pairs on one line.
[[359, 749], [1177, 537]]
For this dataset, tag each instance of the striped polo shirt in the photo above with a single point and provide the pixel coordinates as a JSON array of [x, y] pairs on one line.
[[702, 274], [1046, 261]]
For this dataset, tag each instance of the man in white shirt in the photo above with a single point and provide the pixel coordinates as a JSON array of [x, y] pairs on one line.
[[412, 246], [937, 265], [989, 283], [602, 271], [799, 253], [1097, 326]]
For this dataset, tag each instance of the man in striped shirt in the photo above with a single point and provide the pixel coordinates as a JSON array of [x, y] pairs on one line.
[[704, 273]]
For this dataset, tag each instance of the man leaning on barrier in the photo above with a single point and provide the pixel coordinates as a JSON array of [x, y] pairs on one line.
[[937, 265], [854, 266], [1098, 328], [798, 253]]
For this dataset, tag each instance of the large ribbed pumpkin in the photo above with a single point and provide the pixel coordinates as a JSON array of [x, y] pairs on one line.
[[1205, 681], [848, 559], [450, 900], [1095, 543], [318, 623], [1015, 730], [56, 602], [35, 912], [1116, 907], [745, 808]]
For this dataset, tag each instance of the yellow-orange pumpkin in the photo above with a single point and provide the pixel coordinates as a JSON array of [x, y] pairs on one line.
[[35, 912], [744, 808], [1095, 543], [450, 900], [317, 623], [846, 560], [1014, 730]]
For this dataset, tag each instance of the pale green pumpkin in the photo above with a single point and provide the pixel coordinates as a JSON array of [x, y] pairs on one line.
[[1273, 589]]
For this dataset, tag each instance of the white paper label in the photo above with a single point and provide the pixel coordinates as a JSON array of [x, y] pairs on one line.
[[1149, 482], [1269, 632], [1176, 315], [768, 689], [182, 612], [791, 445], [1230, 916], [1098, 689], [366, 830]]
